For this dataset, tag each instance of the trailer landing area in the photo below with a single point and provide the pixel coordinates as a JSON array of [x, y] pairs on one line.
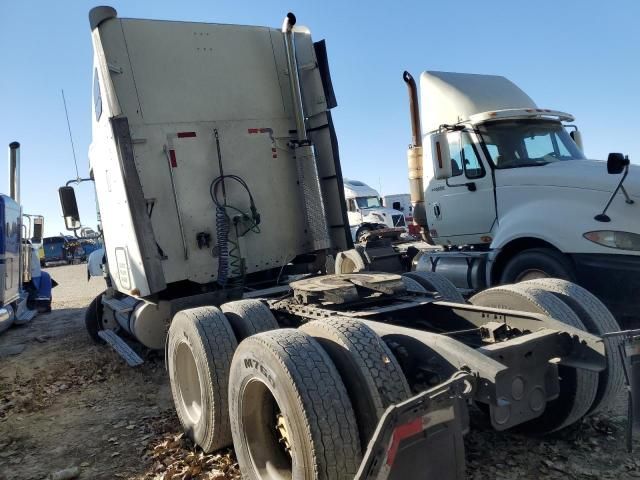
[[68, 404]]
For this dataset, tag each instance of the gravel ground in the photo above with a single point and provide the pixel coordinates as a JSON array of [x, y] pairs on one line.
[[67, 405]]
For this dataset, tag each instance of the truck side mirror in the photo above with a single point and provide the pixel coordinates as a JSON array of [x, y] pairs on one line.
[[69, 208], [441, 156], [576, 135], [616, 162], [38, 229]]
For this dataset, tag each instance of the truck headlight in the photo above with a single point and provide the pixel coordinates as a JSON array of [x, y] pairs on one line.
[[378, 217], [614, 239]]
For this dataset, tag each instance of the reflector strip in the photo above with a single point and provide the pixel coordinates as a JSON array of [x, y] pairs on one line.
[[172, 159], [400, 433], [269, 131], [186, 134]]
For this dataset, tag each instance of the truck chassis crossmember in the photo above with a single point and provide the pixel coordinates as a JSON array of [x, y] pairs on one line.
[[515, 376]]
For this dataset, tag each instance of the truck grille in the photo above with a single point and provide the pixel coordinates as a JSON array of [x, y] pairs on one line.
[[398, 220]]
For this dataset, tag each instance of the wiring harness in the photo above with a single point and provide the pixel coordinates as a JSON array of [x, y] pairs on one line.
[[230, 261]]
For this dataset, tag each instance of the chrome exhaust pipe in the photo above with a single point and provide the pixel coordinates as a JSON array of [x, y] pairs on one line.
[[14, 171], [304, 151], [294, 80], [414, 160], [416, 129]]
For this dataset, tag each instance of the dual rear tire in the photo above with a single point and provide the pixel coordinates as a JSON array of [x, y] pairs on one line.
[[296, 403], [200, 348], [582, 392]]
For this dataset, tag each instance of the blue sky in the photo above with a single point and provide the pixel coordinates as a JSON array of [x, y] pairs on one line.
[[580, 57]]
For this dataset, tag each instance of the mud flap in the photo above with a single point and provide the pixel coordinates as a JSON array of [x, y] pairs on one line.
[[630, 353], [422, 436]]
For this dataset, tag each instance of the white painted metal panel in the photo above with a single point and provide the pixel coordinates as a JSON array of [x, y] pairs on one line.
[[171, 78]]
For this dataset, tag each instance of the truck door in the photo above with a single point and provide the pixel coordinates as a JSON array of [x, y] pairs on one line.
[[461, 209]]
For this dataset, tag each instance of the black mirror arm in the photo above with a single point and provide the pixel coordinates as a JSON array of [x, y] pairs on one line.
[[627, 198], [603, 217], [78, 181]]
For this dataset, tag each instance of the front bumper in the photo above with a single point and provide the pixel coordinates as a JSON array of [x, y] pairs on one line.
[[614, 279]]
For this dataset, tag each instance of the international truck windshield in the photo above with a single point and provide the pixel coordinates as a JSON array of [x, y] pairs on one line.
[[368, 202], [528, 143]]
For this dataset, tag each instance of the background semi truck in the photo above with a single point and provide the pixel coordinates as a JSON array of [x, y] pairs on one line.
[[222, 204], [504, 193], [366, 212], [401, 202], [24, 288]]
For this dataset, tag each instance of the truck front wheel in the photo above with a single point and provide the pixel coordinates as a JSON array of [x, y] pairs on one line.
[[94, 320], [537, 263]]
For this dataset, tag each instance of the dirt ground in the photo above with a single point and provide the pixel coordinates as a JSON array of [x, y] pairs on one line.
[[71, 409]]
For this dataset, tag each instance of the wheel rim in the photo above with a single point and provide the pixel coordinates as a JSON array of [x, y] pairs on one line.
[[188, 383], [348, 265], [531, 274], [362, 234], [107, 322], [266, 433]]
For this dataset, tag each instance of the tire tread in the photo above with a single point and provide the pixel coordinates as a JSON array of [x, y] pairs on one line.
[[586, 382], [377, 366], [217, 340], [320, 393], [598, 320]]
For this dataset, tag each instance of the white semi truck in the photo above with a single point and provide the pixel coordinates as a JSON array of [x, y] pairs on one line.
[[399, 201], [505, 188], [221, 200], [366, 212]]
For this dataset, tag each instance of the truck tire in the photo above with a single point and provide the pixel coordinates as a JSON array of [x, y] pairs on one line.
[[370, 372], [577, 387], [200, 349], [537, 263], [598, 320], [361, 234], [434, 282], [290, 412], [93, 320], [248, 317], [350, 261]]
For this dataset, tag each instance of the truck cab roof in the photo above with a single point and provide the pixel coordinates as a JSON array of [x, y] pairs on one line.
[[356, 188], [450, 98]]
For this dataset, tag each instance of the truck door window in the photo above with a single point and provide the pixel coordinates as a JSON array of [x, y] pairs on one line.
[[472, 165], [352, 205], [456, 153]]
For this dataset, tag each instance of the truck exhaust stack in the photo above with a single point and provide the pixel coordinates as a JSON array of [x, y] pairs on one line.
[[414, 159], [14, 171], [305, 154]]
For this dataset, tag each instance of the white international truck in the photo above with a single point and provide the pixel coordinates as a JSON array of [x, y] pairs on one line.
[[366, 212], [504, 193], [221, 199], [400, 202]]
